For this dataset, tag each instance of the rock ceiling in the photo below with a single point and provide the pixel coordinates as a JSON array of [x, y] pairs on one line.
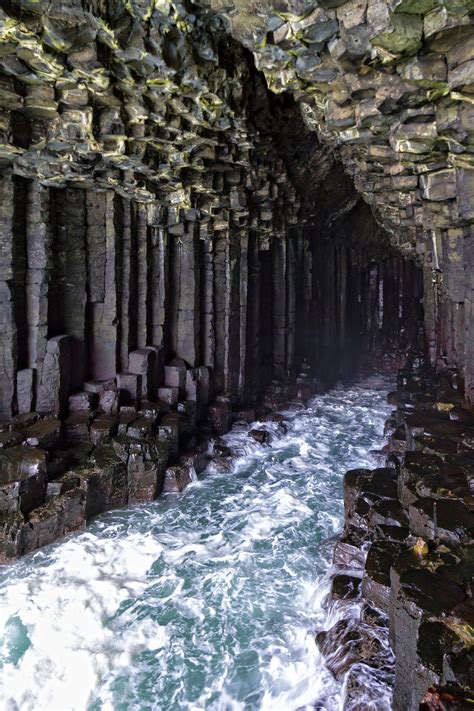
[[133, 95]]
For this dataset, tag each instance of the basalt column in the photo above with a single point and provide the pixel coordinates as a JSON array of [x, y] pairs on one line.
[[67, 288], [8, 346], [103, 250]]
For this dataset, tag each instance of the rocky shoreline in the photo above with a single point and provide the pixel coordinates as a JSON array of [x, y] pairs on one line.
[[406, 555], [113, 448]]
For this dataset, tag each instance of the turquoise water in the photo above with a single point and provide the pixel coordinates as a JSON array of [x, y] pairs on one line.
[[205, 600]]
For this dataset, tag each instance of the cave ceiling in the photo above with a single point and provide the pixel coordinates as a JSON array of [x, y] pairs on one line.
[[139, 96]]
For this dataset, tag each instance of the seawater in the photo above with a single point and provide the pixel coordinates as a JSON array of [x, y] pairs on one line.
[[205, 600]]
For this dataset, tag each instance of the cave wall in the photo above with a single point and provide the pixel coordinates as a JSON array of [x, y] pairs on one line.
[[157, 202], [387, 85], [250, 293]]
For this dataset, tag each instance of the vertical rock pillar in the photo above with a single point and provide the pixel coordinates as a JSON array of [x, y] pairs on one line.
[[188, 316], [158, 275], [101, 285], [7, 319], [142, 273], [221, 304], [38, 248], [67, 292], [279, 282], [207, 290]]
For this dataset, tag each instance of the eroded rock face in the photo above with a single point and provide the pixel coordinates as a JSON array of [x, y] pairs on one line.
[[406, 553], [388, 86]]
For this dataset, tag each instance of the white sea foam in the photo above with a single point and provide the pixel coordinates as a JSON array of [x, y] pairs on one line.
[[206, 601]]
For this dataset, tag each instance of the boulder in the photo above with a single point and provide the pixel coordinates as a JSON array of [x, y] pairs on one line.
[[142, 362], [350, 642], [376, 579], [345, 587], [130, 387], [175, 376], [261, 436], [44, 433], [23, 477], [113, 476], [178, 477], [53, 391], [102, 429], [62, 515]]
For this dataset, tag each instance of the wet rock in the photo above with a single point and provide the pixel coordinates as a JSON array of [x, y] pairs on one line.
[[130, 387], [460, 414], [387, 514], [373, 616], [10, 439], [445, 653], [61, 460], [113, 476], [260, 436], [353, 482], [140, 427], [55, 519], [370, 497], [169, 395], [53, 393], [348, 555], [414, 467], [220, 415], [142, 362], [44, 433], [397, 441], [198, 460], [99, 386], [11, 536], [221, 448], [247, 416], [76, 427], [25, 389], [347, 643], [437, 699], [22, 479], [178, 477], [97, 486], [447, 519], [152, 410], [168, 430], [102, 429], [416, 591], [19, 422], [146, 462], [82, 401], [376, 579], [345, 587], [124, 420], [68, 481], [187, 418], [222, 464], [197, 388], [440, 426]]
